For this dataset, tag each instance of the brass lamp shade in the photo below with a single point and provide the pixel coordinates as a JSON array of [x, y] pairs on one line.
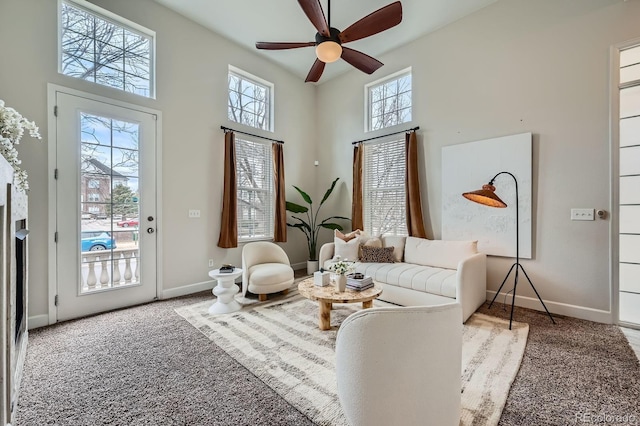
[[486, 196]]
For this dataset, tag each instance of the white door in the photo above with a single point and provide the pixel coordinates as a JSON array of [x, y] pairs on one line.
[[105, 206]]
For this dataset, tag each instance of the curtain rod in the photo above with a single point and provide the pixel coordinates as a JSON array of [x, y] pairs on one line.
[[388, 134], [249, 134]]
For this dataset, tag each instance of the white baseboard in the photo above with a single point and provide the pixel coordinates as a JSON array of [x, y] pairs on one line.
[[38, 321], [187, 289], [301, 265], [565, 309]]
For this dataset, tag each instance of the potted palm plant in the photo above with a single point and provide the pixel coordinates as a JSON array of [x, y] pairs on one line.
[[311, 225]]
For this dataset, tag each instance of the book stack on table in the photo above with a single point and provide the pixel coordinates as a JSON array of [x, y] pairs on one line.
[[359, 282]]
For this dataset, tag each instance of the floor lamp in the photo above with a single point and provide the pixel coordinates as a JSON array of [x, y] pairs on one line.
[[487, 196]]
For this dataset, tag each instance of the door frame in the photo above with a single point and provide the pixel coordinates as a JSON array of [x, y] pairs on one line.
[[52, 148]]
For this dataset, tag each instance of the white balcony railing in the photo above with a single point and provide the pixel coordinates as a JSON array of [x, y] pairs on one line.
[[109, 269]]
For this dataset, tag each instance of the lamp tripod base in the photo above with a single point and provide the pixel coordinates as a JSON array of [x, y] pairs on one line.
[[517, 266]]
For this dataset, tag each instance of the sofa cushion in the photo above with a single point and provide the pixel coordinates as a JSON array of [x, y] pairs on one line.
[[421, 278], [269, 274], [376, 254], [397, 242], [438, 253]]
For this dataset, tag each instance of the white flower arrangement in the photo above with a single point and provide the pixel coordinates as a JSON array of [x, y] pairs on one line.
[[12, 128], [341, 267]]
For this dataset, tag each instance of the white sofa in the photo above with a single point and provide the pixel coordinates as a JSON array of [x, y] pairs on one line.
[[432, 272]]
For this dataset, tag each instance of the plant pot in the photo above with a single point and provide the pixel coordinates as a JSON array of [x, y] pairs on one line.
[[312, 266], [341, 283]]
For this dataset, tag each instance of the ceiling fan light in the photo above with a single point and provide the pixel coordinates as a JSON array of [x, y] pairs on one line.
[[328, 51]]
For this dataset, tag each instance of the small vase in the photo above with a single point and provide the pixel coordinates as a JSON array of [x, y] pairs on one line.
[[341, 283]]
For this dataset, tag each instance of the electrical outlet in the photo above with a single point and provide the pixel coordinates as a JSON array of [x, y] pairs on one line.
[[194, 213], [582, 214], [210, 263]]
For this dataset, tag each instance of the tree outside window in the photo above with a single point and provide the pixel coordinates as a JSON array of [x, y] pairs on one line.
[[104, 49], [389, 101], [249, 100]]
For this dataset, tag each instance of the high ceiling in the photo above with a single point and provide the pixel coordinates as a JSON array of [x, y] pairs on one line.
[[248, 21]]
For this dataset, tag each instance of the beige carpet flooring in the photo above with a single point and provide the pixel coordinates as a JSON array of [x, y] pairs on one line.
[[147, 366]]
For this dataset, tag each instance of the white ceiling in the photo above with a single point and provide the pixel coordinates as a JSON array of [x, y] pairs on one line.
[[248, 21]]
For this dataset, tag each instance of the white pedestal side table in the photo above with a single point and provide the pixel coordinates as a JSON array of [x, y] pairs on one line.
[[225, 292]]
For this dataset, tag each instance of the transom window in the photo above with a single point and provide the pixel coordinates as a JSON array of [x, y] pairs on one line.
[[389, 101], [384, 195], [250, 100], [255, 192], [102, 47]]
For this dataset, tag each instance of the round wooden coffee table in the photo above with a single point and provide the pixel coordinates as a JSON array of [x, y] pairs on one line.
[[326, 296]]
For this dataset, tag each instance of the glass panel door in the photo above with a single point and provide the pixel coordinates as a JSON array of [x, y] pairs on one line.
[[106, 203]]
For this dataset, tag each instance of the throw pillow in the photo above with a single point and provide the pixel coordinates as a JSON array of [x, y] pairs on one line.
[[346, 237], [369, 242], [397, 242], [346, 250], [376, 254]]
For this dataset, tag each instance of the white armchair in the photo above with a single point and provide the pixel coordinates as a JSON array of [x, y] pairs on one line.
[[265, 269], [401, 366]]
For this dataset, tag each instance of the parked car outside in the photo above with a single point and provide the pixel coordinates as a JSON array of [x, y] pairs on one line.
[[97, 240], [128, 223]]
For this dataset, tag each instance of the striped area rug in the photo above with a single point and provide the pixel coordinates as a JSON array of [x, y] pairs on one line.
[[279, 341]]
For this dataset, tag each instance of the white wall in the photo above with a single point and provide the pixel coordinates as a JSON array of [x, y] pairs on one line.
[[515, 66], [192, 65]]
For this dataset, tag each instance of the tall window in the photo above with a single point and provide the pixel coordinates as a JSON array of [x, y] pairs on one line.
[[254, 172], [389, 101], [99, 46], [384, 188], [250, 100]]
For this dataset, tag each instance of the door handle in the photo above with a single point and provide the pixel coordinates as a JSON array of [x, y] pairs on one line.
[[150, 230]]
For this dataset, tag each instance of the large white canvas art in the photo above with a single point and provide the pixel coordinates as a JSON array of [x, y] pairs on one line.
[[468, 166]]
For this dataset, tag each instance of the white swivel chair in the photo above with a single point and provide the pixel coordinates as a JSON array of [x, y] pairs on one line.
[[401, 366], [265, 269]]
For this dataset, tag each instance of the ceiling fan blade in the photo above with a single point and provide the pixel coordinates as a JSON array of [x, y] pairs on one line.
[[315, 72], [313, 10], [280, 46], [362, 61], [374, 23]]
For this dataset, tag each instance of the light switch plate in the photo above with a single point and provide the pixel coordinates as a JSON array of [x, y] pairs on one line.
[[582, 214], [194, 213]]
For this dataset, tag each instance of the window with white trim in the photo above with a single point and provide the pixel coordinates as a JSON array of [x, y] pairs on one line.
[[389, 101], [250, 100], [104, 48], [384, 191], [255, 191]]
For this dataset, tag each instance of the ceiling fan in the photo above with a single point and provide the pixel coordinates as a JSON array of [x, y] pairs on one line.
[[329, 40]]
